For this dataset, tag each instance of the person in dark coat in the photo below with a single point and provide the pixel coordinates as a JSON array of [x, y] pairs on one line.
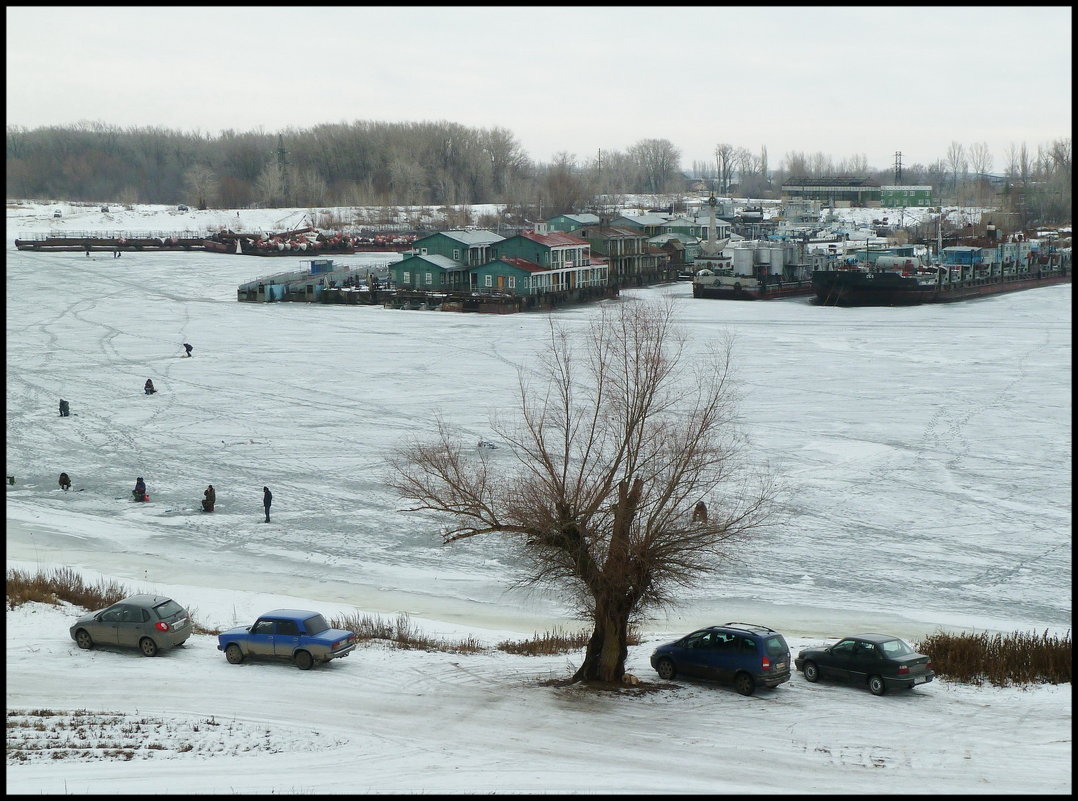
[[65, 482], [209, 499], [187, 348], [267, 499], [149, 387], [65, 408], [699, 514], [139, 492]]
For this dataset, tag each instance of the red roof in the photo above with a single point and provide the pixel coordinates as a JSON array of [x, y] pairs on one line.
[[523, 264], [554, 239]]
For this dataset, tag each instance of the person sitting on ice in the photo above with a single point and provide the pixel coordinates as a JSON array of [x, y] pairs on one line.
[[149, 387], [139, 492], [65, 482]]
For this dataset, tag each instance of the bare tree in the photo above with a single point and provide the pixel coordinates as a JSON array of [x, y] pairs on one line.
[[563, 187], [980, 159], [613, 451], [724, 162], [202, 184], [659, 163], [956, 160]]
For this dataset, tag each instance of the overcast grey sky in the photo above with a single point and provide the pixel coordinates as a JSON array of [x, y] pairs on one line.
[[842, 81]]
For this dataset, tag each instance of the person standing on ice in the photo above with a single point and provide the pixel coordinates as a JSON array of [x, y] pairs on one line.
[[65, 408], [209, 499], [267, 499]]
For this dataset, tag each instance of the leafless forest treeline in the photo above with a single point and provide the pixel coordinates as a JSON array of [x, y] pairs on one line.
[[406, 163]]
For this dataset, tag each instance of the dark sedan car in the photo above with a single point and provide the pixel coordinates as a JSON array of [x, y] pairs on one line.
[[878, 660], [150, 623]]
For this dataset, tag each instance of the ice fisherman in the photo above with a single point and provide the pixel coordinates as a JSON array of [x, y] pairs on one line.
[[149, 387], [209, 499], [187, 348], [267, 499], [139, 492], [65, 482], [699, 513]]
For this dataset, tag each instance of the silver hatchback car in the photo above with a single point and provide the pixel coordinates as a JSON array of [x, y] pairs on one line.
[[151, 623]]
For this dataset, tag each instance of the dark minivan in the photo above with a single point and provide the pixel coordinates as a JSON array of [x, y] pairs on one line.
[[743, 654]]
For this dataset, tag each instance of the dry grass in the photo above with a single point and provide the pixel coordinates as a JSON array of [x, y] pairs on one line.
[[65, 585], [554, 642], [61, 584], [402, 633], [1012, 659]]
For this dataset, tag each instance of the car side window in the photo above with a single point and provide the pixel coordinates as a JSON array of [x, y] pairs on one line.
[[132, 615], [287, 627], [262, 627], [113, 615], [845, 648], [746, 645], [697, 640]]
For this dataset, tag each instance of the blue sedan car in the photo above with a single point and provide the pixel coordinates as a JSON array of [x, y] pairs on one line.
[[298, 635]]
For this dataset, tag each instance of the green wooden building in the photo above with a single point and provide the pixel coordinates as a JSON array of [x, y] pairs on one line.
[[470, 248], [565, 223], [433, 272], [551, 251]]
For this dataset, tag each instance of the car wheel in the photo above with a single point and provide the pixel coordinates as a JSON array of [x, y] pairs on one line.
[[234, 654], [666, 669], [812, 673], [876, 685], [83, 639], [304, 661], [147, 646], [745, 684]]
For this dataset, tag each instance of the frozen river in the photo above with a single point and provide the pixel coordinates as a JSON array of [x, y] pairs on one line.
[[926, 451]]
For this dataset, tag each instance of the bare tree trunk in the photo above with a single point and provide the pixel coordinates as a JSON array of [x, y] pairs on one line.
[[615, 596], [604, 658]]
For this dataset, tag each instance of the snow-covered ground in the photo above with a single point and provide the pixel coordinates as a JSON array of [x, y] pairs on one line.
[[926, 451]]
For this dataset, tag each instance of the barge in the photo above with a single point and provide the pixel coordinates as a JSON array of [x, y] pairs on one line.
[[902, 276]]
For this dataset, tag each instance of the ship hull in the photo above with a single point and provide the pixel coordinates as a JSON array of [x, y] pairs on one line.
[[860, 288]]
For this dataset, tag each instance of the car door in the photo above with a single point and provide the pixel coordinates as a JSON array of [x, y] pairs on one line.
[[107, 627], [838, 662], [693, 657], [741, 654], [131, 626], [260, 639], [865, 660], [286, 639]]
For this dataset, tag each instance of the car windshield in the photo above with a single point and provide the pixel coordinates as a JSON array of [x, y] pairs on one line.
[[895, 648], [167, 609], [776, 646], [315, 625]]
